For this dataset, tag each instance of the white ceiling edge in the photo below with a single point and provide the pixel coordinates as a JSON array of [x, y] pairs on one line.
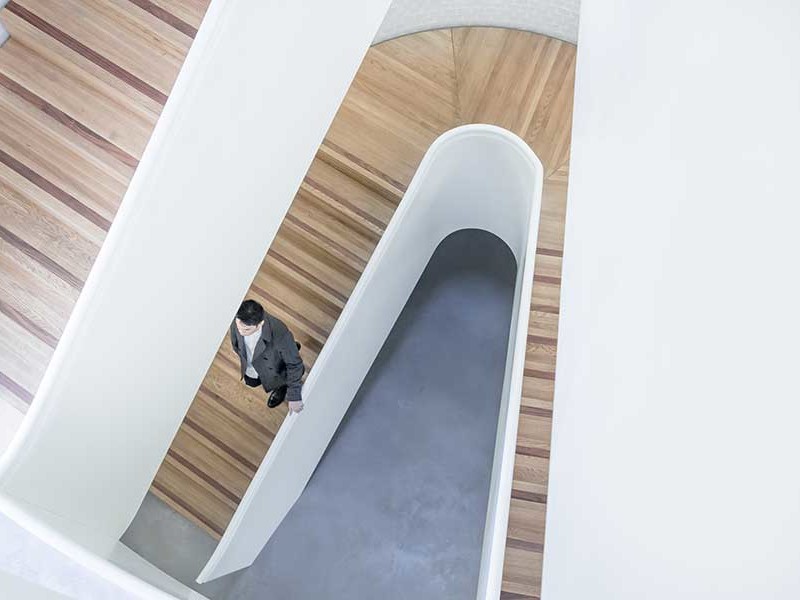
[[554, 18]]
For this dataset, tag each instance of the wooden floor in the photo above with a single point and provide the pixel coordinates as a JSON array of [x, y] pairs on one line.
[[81, 84]]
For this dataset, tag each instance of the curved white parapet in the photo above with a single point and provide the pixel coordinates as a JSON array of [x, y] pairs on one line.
[[106, 558], [472, 177]]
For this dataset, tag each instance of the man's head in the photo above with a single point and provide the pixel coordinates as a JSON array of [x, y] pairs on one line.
[[249, 317]]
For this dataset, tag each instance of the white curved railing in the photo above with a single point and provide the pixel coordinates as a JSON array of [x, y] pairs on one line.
[[476, 177]]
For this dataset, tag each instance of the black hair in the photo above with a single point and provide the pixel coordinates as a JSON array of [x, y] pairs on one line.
[[250, 313]]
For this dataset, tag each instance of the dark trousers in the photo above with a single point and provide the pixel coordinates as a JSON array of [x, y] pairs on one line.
[[278, 393]]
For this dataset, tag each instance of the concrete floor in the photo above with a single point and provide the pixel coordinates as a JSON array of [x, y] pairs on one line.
[[397, 507], [173, 544]]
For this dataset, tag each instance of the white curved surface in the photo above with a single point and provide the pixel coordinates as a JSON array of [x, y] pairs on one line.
[[554, 18], [106, 558], [674, 458], [476, 176]]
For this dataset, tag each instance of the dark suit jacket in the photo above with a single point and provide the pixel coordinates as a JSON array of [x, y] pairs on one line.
[[275, 358]]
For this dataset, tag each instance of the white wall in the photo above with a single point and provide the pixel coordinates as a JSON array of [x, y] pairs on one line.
[[10, 420], [555, 18], [13, 586], [85, 563], [243, 123], [24, 555], [674, 466]]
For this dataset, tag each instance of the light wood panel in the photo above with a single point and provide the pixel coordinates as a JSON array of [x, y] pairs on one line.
[[81, 84], [519, 82], [73, 125]]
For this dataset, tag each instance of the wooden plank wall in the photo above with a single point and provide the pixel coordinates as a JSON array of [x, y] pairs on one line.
[[81, 85]]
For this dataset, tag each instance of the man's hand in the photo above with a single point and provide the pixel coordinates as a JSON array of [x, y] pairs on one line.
[[295, 407]]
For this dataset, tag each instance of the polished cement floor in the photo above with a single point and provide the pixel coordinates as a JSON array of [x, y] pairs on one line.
[[397, 507]]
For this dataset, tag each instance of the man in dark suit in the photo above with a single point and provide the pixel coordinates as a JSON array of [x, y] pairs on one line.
[[268, 354]]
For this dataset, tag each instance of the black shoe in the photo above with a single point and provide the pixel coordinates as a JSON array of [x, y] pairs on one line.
[[276, 397]]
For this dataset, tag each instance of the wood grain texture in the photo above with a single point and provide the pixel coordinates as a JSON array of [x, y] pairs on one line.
[[81, 85]]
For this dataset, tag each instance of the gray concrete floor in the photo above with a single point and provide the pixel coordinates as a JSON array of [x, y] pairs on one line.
[[397, 507], [173, 544]]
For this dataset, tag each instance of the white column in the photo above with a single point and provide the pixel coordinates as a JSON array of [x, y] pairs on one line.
[[675, 436]]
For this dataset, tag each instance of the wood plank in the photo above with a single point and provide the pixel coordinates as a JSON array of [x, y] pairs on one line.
[[130, 38], [52, 151], [29, 289], [23, 358], [57, 232], [190, 11], [76, 86]]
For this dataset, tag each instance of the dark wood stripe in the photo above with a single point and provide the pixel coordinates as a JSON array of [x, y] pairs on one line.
[[538, 452], [185, 506], [316, 281], [535, 411], [547, 279], [220, 444], [529, 496], [316, 234], [55, 191], [67, 121], [286, 308], [545, 308], [205, 477], [540, 339], [514, 596], [15, 388], [41, 258], [367, 167], [166, 16], [549, 251], [84, 50], [523, 545], [28, 325], [261, 428], [537, 374], [344, 202]]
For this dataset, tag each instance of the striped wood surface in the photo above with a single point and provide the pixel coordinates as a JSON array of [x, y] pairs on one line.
[[81, 84]]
